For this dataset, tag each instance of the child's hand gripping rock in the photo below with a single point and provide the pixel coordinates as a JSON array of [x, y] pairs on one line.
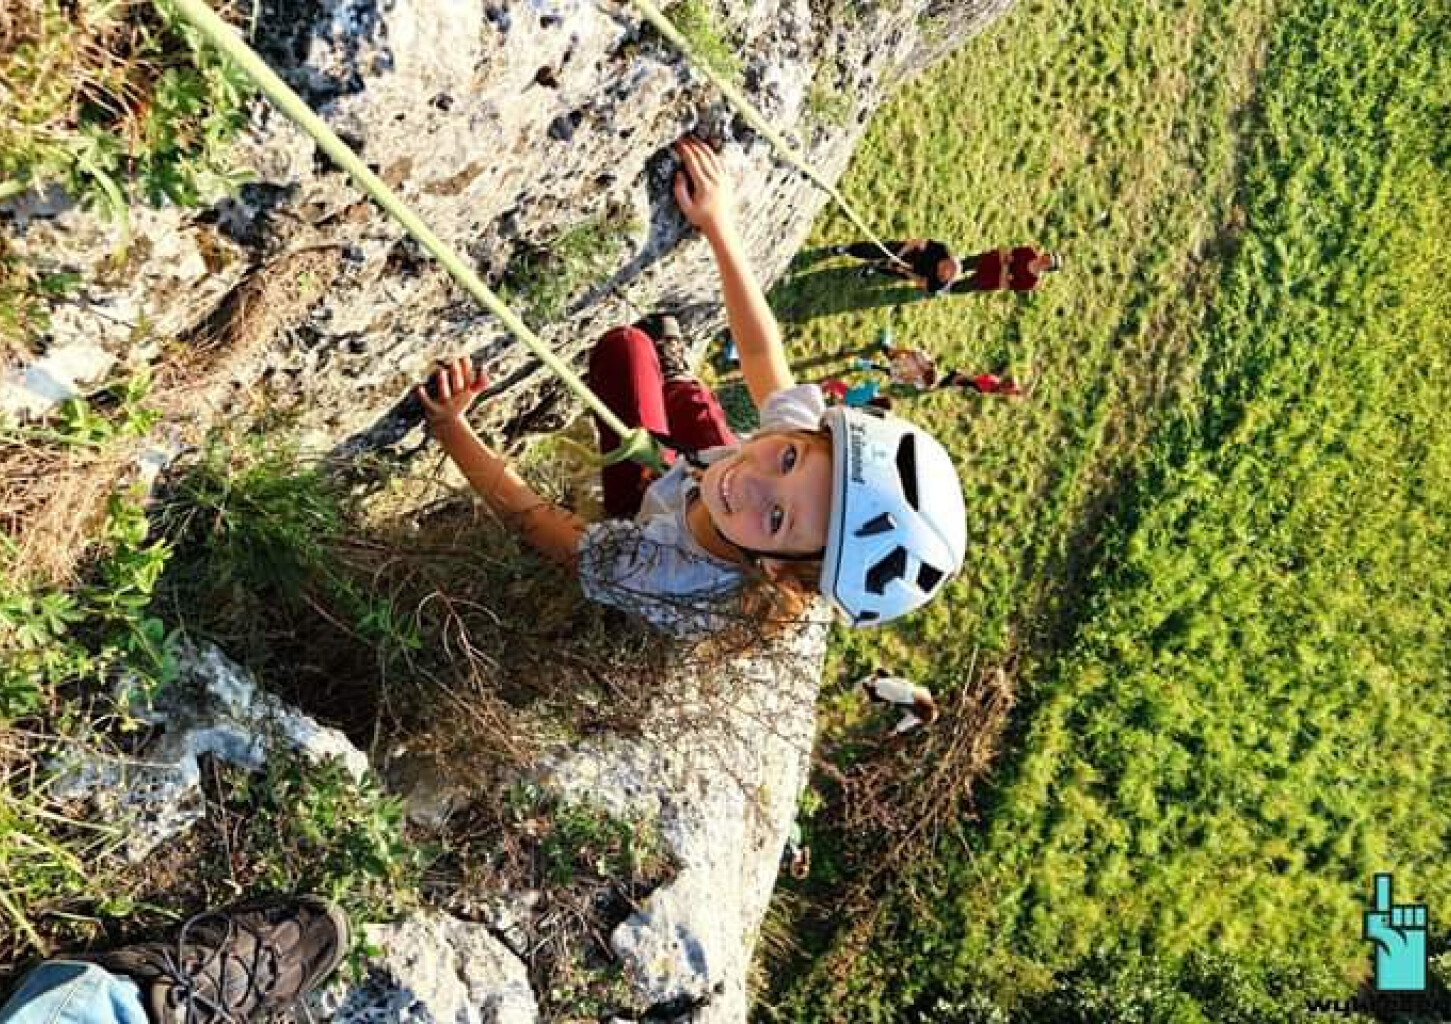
[[452, 389], [702, 187]]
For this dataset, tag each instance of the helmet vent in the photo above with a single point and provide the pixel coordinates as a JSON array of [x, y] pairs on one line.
[[883, 523], [928, 577], [907, 468], [893, 567]]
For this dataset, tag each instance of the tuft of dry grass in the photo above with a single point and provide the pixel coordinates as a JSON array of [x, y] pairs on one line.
[[51, 503]]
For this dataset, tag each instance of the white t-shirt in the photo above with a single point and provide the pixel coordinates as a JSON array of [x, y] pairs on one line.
[[652, 566]]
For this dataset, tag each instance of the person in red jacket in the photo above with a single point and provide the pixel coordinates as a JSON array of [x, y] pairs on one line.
[[982, 383], [1018, 269]]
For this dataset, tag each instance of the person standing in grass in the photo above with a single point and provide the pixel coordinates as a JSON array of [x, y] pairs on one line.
[[926, 262], [867, 511], [931, 267], [1019, 269]]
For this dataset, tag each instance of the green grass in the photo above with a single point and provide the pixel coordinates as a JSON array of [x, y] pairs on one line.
[[1213, 543], [541, 281], [116, 100]]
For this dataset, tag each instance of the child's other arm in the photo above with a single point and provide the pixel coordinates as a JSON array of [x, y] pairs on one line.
[[705, 197], [549, 529]]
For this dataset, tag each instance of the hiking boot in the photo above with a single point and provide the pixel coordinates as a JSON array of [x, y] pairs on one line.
[[664, 331], [236, 964]]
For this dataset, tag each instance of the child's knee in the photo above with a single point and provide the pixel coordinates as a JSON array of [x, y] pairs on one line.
[[618, 348]]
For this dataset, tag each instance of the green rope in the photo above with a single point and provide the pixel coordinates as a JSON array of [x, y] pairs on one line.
[[743, 107], [636, 444]]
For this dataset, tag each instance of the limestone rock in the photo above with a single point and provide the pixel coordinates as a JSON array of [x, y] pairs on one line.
[[505, 124], [436, 970], [719, 769], [214, 707]]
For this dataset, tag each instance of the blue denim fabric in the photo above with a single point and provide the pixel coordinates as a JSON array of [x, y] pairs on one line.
[[70, 992]]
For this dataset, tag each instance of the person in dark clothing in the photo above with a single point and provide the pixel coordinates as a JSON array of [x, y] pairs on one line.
[[1018, 269], [926, 262]]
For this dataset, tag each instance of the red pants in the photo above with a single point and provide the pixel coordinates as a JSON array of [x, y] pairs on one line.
[[624, 372]]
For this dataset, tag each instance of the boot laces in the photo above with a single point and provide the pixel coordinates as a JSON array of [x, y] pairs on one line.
[[219, 966]]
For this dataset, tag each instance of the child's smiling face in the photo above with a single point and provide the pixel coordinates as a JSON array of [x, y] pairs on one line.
[[774, 494]]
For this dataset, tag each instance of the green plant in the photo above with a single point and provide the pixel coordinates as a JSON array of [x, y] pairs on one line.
[[313, 828], [106, 627], [708, 43], [541, 280], [78, 423], [584, 840], [46, 859], [827, 104], [104, 94], [25, 298], [261, 516]]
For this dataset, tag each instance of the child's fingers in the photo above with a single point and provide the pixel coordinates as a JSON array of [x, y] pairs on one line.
[[690, 157], [444, 384], [709, 162], [682, 191], [460, 374], [428, 403]]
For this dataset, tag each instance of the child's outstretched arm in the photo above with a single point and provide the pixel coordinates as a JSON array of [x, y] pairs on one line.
[[549, 529], [707, 200]]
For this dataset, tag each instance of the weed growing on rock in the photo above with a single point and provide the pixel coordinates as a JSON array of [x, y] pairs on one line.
[[579, 868], [827, 104], [299, 827], [25, 297], [541, 280], [709, 45], [103, 94], [53, 638]]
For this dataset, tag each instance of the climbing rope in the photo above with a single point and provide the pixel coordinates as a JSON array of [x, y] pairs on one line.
[[635, 443], [743, 106]]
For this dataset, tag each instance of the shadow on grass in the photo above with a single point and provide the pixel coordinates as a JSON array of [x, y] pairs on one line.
[[808, 293]]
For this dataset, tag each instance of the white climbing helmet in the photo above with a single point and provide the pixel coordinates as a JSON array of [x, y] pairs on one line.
[[898, 528]]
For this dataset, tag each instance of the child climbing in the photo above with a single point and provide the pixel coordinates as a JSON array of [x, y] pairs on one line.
[[867, 510]]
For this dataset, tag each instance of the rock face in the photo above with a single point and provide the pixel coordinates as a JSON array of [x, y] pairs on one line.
[[719, 769], [214, 707], [436, 970], [505, 125], [508, 125]]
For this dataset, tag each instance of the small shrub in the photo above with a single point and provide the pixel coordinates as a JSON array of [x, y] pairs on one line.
[[708, 44], [313, 828], [542, 280], [51, 638], [101, 95], [828, 105], [25, 297]]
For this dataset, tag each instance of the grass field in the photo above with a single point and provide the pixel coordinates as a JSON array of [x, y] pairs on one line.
[[1210, 549], [1194, 675]]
